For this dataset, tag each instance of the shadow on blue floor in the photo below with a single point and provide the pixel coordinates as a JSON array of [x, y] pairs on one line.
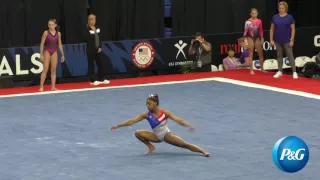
[[66, 136]]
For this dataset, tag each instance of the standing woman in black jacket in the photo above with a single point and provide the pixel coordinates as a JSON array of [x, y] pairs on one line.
[[94, 48]]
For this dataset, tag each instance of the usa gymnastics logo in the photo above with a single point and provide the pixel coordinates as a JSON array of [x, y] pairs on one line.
[[290, 154]]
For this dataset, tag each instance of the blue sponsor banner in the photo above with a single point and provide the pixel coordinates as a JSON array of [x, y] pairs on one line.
[[117, 57]]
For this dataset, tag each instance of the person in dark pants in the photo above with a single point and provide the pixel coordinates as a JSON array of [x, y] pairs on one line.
[[94, 48], [203, 54], [282, 32]]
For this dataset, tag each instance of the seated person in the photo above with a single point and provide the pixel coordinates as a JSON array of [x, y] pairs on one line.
[[231, 62], [244, 58]]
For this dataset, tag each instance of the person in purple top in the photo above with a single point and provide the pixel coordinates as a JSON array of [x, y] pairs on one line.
[[50, 41], [282, 34], [245, 55], [231, 62]]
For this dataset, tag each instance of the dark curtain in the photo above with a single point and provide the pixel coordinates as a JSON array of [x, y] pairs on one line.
[[38, 12], [75, 19], [178, 18], [305, 12], [4, 38], [16, 23], [241, 12], [23, 21], [196, 21], [103, 11], [148, 19], [189, 17], [219, 17], [212, 17], [123, 20], [135, 19], [266, 10]]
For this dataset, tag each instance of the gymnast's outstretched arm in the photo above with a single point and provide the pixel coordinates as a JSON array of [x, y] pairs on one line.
[[178, 120], [131, 121]]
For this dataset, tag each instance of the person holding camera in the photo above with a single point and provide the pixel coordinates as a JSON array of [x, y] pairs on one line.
[[202, 49]]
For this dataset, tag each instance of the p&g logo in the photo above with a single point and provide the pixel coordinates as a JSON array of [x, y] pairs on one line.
[[290, 154]]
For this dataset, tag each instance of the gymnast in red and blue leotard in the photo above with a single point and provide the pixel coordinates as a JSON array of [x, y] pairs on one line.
[[157, 119], [50, 41], [253, 32]]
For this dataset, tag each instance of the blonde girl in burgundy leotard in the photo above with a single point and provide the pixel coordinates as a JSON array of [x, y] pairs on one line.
[[253, 32], [50, 41]]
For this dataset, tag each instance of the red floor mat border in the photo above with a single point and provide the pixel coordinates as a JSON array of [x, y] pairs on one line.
[[285, 82]]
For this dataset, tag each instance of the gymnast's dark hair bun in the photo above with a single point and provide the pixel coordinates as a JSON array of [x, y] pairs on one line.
[[154, 97]]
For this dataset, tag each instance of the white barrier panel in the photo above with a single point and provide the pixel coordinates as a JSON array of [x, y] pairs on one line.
[[270, 64], [214, 68], [302, 60]]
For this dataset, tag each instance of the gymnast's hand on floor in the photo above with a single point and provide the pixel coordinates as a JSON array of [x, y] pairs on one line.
[[113, 128], [192, 129]]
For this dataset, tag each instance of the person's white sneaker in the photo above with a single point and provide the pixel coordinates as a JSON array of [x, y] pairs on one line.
[[295, 75], [278, 74], [105, 81], [95, 83]]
